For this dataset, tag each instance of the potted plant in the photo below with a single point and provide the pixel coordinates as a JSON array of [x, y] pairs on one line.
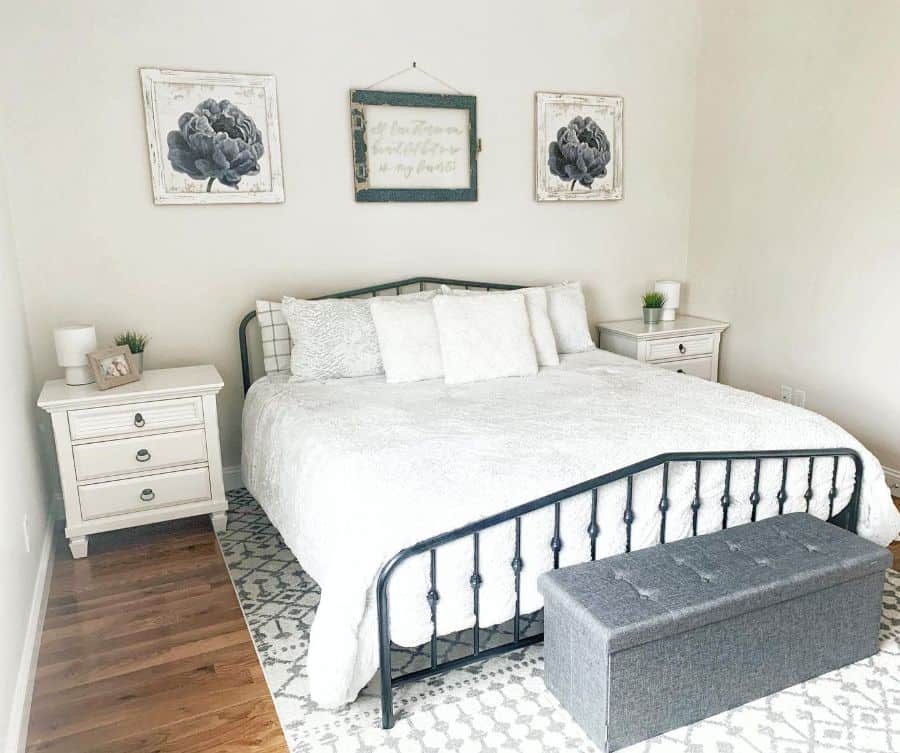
[[653, 303], [136, 343]]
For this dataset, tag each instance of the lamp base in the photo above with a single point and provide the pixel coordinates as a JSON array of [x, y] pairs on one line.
[[668, 315], [76, 375]]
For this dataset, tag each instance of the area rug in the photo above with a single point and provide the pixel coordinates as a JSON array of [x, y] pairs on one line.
[[501, 705]]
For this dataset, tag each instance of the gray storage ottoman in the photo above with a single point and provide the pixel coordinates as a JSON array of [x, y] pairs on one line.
[[641, 643]]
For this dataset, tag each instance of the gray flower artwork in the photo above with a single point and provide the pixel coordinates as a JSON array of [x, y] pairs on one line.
[[580, 152], [578, 147], [216, 141], [213, 138]]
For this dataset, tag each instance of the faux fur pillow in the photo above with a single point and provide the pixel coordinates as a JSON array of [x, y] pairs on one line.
[[408, 339], [568, 317], [484, 337], [538, 319]]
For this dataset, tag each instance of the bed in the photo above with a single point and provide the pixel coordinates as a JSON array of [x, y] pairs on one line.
[[425, 512]]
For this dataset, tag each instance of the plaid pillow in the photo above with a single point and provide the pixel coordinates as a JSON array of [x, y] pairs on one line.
[[275, 337]]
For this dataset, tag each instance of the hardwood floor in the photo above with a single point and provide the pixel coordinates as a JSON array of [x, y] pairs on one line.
[[895, 547], [145, 650]]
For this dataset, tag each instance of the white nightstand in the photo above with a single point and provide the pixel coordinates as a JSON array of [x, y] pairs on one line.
[[688, 345], [141, 453]]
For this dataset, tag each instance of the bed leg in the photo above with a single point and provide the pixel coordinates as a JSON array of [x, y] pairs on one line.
[[384, 654], [387, 701]]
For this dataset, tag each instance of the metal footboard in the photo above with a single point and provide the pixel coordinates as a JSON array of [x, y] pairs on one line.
[[847, 518]]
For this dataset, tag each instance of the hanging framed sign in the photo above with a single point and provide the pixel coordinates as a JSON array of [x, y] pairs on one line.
[[410, 146]]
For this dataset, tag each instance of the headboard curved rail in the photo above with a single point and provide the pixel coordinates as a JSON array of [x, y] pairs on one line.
[[372, 290]]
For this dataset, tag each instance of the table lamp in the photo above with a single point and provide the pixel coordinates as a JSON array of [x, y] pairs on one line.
[[73, 343], [671, 289]]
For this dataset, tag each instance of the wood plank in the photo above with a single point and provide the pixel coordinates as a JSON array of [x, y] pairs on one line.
[[145, 649], [895, 546]]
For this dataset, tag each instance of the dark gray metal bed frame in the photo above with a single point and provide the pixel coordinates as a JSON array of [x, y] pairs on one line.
[[435, 664]]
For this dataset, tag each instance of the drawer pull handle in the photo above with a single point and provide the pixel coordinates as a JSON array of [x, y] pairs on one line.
[[147, 495], [142, 456], [681, 348], [139, 420], [681, 371]]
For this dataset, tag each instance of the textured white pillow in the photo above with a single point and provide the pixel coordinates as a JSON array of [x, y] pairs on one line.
[[484, 337], [332, 338], [275, 334], [275, 337], [568, 317], [408, 339], [538, 319]]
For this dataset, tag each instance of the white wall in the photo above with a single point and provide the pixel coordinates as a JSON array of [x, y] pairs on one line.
[[23, 487], [93, 246], [795, 235]]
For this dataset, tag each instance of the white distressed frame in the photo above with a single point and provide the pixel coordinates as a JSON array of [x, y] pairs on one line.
[[150, 77], [545, 190]]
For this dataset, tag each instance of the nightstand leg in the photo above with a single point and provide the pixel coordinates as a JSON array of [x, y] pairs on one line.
[[219, 521], [78, 545]]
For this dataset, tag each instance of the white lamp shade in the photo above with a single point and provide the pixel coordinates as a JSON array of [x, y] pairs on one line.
[[73, 343], [671, 289]]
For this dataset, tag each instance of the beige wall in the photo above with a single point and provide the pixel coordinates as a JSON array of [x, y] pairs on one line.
[[93, 246], [23, 487], [795, 235]]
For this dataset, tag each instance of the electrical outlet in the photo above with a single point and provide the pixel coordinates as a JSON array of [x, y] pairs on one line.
[[27, 534], [787, 394], [800, 398]]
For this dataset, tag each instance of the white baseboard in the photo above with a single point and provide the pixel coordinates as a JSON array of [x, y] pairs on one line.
[[21, 703], [893, 480], [231, 475]]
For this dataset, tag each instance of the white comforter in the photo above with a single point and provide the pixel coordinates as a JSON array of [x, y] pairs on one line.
[[351, 471]]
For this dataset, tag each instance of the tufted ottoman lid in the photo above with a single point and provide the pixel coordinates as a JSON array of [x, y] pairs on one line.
[[653, 593]]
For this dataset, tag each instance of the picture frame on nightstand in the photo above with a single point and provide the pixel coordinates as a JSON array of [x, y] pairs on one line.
[[113, 367]]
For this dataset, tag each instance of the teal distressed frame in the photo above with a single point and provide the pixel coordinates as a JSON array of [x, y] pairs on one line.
[[361, 97]]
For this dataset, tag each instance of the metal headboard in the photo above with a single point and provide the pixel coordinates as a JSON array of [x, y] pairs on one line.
[[372, 290]]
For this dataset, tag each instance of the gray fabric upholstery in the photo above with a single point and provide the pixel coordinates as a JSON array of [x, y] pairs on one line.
[[642, 643]]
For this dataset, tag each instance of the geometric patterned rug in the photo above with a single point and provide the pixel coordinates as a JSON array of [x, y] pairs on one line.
[[501, 704]]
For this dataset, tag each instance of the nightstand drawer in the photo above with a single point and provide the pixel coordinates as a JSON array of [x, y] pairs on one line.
[[680, 347], [135, 418], [143, 454], [143, 493], [698, 367]]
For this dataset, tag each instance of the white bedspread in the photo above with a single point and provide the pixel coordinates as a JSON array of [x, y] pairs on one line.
[[351, 471]]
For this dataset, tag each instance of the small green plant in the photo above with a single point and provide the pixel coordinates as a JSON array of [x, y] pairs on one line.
[[653, 300], [135, 341]]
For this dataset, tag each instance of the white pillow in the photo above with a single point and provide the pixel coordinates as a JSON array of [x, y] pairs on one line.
[[568, 317], [275, 337], [408, 339], [538, 319], [332, 338], [484, 337]]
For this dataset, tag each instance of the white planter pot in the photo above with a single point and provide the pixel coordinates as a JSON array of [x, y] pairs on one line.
[[138, 361]]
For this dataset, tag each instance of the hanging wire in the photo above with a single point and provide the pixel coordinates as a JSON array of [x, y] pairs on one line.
[[414, 67]]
